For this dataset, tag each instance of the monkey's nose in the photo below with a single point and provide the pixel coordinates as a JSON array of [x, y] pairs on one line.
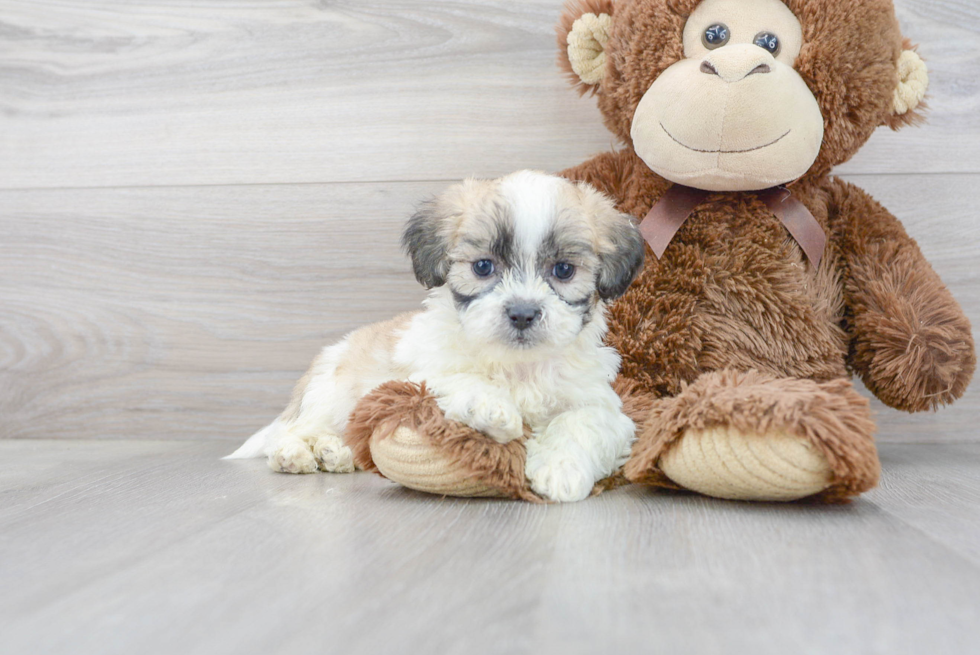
[[523, 315], [734, 63]]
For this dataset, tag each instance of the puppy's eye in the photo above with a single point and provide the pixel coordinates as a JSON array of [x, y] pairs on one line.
[[483, 268], [715, 36], [563, 271], [768, 42]]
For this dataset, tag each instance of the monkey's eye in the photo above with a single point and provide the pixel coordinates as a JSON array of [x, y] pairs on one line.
[[715, 36], [483, 268], [564, 271], [768, 42]]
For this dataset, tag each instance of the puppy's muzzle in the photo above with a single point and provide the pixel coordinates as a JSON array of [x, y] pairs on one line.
[[523, 315]]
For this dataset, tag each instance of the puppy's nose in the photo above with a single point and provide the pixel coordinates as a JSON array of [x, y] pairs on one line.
[[523, 315]]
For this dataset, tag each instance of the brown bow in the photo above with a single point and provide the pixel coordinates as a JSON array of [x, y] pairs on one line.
[[670, 212]]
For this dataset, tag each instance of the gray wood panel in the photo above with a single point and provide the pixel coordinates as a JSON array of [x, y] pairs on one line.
[[120, 93], [190, 312], [159, 547], [186, 312], [253, 165], [935, 491]]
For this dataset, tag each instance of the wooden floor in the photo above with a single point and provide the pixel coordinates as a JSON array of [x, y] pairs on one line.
[[160, 547], [195, 196]]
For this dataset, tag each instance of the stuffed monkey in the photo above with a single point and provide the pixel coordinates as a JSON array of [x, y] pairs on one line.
[[768, 282]]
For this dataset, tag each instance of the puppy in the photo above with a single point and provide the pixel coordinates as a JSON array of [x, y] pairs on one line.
[[520, 269]]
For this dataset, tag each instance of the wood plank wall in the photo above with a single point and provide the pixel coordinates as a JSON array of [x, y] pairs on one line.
[[195, 196]]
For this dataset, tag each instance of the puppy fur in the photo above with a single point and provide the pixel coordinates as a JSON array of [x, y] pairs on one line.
[[522, 344]]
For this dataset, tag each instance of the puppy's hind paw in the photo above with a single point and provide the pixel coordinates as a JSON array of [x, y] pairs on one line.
[[333, 455], [559, 479], [294, 457]]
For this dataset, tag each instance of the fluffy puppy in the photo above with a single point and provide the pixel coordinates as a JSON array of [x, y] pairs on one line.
[[520, 269]]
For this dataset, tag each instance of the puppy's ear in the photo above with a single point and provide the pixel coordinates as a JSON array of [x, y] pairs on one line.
[[620, 258], [619, 244], [427, 244], [617, 241]]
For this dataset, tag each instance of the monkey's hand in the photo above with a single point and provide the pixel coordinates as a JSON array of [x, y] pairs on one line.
[[910, 341]]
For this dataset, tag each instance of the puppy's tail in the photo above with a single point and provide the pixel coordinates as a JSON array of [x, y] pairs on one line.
[[256, 444]]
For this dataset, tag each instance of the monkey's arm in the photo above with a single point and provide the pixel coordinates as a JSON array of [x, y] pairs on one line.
[[910, 341]]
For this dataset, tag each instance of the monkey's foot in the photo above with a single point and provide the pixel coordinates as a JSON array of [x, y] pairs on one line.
[[750, 436]]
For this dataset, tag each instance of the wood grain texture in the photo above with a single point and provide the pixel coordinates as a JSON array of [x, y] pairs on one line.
[[196, 196], [186, 312], [116, 93], [935, 491], [190, 312], [159, 547]]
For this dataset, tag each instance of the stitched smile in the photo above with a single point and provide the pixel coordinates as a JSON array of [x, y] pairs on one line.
[[723, 152]]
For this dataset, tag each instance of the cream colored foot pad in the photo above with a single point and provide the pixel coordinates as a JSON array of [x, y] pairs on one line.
[[726, 463], [409, 460]]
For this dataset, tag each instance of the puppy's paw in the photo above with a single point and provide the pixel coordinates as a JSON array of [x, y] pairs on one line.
[[557, 477], [293, 457], [332, 455], [495, 416], [500, 422]]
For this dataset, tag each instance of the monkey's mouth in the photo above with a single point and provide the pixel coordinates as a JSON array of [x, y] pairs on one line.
[[722, 152]]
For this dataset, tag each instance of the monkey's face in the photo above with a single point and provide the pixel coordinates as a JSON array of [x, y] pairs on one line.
[[740, 95], [733, 115]]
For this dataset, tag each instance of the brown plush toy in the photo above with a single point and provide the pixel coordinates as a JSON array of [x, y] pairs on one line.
[[768, 282]]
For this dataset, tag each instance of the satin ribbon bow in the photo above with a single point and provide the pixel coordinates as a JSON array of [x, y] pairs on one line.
[[674, 208]]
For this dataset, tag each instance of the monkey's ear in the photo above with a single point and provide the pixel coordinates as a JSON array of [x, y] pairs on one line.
[[582, 36], [426, 243], [913, 82]]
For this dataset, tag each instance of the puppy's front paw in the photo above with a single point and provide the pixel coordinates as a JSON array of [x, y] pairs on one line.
[[333, 455], [500, 422], [557, 477], [293, 457], [496, 417]]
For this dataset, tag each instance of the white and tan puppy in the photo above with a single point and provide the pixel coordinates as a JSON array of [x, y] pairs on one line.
[[520, 270]]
